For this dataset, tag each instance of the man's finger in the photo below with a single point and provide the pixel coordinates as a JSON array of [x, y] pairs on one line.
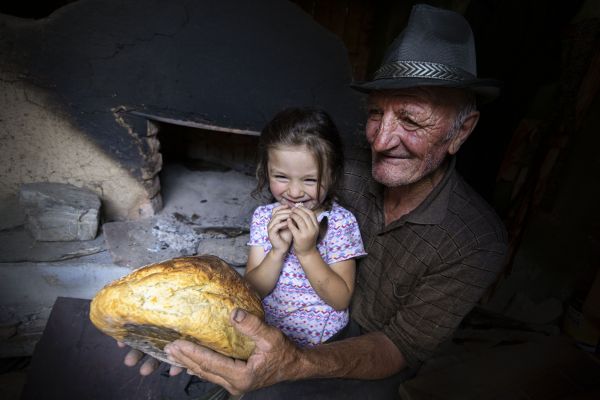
[[192, 355], [133, 357], [202, 362], [149, 366], [174, 370]]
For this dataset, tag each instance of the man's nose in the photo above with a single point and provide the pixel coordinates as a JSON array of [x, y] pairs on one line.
[[386, 136]]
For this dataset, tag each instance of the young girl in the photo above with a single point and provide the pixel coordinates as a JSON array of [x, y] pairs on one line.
[[302, 247]]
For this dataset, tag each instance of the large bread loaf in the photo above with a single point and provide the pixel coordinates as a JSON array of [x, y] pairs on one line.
[[187, 298]]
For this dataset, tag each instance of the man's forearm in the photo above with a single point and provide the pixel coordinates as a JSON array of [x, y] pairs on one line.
[[370, 356], [276, 359]]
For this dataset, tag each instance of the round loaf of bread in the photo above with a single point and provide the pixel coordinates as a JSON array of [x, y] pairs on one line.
[[187, 298]]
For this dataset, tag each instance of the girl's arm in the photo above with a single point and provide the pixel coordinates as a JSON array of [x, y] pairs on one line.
[[333, 283], [262, 270]]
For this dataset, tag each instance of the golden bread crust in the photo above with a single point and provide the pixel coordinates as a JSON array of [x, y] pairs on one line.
[[188, 297]]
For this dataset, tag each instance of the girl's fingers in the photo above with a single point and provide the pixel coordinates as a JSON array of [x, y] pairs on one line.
[[300, 227], [297, 222], [276, 219], [304, 212], [292, 226], [307, 216], [276, 224], [281, 210], [280, 216], [283, 225]]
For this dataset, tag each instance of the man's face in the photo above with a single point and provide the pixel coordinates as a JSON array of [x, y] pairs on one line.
[[407, 131]]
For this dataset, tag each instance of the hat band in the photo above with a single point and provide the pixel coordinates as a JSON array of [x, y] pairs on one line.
[[421, 69]]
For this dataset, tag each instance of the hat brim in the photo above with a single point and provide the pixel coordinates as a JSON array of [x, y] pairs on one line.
[[485, 90]]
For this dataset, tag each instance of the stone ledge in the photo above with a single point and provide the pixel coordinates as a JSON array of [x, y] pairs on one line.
[[25, 304]]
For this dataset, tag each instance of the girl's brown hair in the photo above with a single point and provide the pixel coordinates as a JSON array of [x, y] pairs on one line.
[[305, 126]]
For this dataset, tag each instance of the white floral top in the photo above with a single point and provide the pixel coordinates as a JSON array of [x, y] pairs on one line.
[[293, 306]]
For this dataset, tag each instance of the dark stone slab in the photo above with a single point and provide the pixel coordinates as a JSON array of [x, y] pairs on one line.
[[74, 360], [17, 245]]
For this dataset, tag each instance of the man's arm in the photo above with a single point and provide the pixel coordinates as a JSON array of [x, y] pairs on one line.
[[276, 359], [369, 356]]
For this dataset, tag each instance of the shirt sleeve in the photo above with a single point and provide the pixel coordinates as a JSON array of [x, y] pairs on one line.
[[343, 238], [258, 227], [441, 298]]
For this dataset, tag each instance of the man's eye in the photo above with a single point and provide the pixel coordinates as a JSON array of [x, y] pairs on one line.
[[409, 124], [374, 114]]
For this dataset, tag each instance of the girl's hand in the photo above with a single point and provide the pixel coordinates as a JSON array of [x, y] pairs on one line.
[[279, 234], [304, 227]]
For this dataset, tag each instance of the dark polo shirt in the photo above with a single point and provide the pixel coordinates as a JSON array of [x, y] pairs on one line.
[[424, 272]]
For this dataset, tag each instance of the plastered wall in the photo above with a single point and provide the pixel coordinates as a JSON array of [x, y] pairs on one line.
[[39, 144]]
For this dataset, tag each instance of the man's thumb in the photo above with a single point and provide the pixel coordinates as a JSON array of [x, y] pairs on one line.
[[248, 324]]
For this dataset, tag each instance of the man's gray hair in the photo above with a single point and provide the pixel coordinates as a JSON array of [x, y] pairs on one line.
[[467, 106]]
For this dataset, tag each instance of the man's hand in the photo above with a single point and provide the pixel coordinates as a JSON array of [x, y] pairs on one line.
[[270, 363], [148, 366]]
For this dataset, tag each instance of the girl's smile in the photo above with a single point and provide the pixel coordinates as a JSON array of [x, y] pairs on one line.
[[293, 174]]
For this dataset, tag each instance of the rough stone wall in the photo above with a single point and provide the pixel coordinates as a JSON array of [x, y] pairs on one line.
[[38, 143]]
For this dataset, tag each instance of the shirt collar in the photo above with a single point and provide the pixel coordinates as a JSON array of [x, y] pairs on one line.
[[435, 206]]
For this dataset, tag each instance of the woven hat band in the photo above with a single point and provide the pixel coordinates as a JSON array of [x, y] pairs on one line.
[[421, 69]]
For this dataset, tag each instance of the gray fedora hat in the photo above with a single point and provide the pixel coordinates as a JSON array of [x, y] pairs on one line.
[[436, 48]]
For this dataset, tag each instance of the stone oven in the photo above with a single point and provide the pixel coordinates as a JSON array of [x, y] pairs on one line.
[[79, 87], [114, 97]]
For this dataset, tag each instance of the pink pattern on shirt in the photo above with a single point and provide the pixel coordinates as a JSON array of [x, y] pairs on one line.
[[293, 306]]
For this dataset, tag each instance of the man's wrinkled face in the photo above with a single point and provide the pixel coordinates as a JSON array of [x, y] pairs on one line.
[[407, 131]]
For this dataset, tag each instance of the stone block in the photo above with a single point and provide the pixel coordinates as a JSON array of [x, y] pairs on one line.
[[59, 212], [136, 243]]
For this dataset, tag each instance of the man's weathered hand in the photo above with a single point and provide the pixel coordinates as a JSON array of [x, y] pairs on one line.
[[270, 363], [133, 357]]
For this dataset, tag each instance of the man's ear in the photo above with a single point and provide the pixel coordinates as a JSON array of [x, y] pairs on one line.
[[463, 133]]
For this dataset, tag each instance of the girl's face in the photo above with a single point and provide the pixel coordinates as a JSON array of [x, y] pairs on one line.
[[293, 173]]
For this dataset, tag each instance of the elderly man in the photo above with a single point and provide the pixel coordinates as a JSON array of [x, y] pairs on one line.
[[433, 244]]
